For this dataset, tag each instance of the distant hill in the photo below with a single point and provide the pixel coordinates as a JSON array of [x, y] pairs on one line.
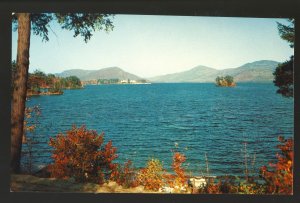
[[258, 71], [105, 73], [197, 74]]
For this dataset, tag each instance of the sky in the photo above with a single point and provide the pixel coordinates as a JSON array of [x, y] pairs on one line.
[[152, 45]]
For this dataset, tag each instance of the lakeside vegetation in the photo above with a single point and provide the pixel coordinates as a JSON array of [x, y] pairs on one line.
[[113, 81], [40, 83], [81, 155], [97, 166], [226, 81]]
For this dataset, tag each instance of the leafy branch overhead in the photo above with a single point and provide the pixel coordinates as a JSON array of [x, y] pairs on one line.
[[82, 24], [284, 72], [287, 32]]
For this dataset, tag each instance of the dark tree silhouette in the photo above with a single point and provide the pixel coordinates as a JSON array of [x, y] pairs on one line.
[[225, 81], [284, 72], [81, 24], [284, 78]]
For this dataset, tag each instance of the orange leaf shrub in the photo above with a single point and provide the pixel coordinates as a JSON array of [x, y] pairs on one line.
[[180, 179], [222, 185], [106, 159], [79, 154], [31, 118], [151, 177], [279, 179], [125, 175]]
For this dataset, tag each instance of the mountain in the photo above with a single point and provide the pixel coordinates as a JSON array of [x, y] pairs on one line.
[[197, 74], [258, 71], [105, 73]]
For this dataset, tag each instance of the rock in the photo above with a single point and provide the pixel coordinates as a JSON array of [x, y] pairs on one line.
[[43, 172], [166, 189], [197, 182]]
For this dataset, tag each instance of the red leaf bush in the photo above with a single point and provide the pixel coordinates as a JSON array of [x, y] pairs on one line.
[[180, 179], [79, 154], [125, 175], [279, 178]]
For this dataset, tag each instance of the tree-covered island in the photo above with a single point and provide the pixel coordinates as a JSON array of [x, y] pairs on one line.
[[226, 81]]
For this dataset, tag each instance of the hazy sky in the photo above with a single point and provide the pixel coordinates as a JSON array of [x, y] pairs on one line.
[[154, 45]]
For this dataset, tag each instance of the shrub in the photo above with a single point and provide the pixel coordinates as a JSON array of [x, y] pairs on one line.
[[180, 178], [106, 159], [279, 179], [151, 177], [212, 187], [250, 187], [31, 119], [125, 175], [229, 185], [79, 154]]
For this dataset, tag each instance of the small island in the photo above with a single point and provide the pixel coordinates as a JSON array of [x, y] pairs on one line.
[[226, 81]]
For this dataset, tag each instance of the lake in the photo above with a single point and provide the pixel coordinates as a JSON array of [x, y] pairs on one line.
[[149, 120]]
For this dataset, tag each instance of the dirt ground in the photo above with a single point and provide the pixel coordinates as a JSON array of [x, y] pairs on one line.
[[29, 183]]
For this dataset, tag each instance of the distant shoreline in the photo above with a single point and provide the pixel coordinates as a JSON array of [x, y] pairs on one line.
[[29, 94]]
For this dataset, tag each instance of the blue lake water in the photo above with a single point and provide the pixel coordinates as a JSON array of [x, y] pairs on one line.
[[146, 121]]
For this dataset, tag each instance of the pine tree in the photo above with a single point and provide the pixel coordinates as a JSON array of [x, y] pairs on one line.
[[284, 72]]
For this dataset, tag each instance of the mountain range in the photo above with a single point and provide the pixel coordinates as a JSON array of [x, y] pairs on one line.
[[258, 71], [105, 73]]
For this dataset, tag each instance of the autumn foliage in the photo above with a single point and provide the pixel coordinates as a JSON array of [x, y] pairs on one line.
[[151, 177], [180, 178], [80, 154], [31, 119], [125, 175], [279, 177]]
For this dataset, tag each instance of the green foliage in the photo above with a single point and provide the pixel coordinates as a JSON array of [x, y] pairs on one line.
[[229, 79], [284, 71], [39, 24], [284, 78], [39, 80], [225, 81], [71, 82], [232, 185], [82, 24], [56, 87], [40, 74], [108, 81], [287, 32]]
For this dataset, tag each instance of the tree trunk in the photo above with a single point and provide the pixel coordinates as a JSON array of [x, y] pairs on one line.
[[19, 90]]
